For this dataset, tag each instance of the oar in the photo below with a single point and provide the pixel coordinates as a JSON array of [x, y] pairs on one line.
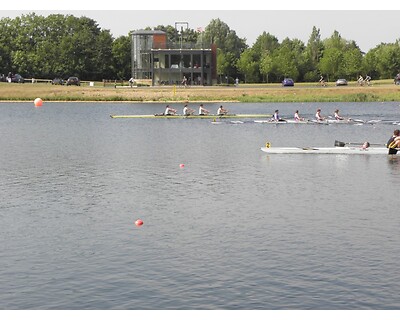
[[348, 119], [342, 144]]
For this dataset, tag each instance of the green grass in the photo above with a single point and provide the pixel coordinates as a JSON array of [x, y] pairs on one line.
[[382, 90]]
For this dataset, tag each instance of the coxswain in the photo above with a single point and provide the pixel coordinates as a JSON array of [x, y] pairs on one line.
[[365, 146]]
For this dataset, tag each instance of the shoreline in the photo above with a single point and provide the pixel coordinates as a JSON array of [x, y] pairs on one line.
[[252, 93]]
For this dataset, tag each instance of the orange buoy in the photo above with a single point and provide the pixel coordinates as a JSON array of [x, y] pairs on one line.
[[139, 222], [38, 102]]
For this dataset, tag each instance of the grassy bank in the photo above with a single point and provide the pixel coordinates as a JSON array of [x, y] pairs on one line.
[[307, 92]]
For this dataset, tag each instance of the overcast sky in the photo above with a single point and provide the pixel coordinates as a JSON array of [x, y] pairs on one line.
[[374, 24]]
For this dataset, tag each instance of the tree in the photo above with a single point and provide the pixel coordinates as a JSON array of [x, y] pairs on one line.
[[330, 62], [264, 46], [265, 42], [230, 45], [314, 47], [6, 44], [121, 53], [340, 58], [313, 54], [225, 61], [351, 64], [335, 41], [266, 64], [63, 45], [248, 66], [388, 64], [287, 59], [369, 64]]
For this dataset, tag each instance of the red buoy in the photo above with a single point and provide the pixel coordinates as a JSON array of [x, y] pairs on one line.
[[38, 102], [139, 223], [181, 165]]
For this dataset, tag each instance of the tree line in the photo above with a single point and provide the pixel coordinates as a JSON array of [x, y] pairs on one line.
[[64, 45]]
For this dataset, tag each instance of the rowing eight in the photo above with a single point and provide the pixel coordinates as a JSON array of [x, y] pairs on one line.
[[179, 116]]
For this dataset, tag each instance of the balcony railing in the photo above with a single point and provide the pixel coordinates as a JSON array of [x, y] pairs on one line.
[[184, 45]]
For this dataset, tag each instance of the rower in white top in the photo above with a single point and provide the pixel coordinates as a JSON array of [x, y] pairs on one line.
[[277, 118], [337, 116], [318, 115], [297, 118], [222, 111], [187, 111], [169, 111], [203, 111]]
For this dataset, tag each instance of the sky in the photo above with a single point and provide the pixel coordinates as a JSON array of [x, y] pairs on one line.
[[367, 24]]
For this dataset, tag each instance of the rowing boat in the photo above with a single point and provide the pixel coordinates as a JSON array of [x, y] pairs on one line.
[[333, 150], [328, 121], [180, 116], [344, 121], [271, 121]]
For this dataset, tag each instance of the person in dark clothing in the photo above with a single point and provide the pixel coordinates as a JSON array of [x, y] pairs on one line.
[[394, 142]]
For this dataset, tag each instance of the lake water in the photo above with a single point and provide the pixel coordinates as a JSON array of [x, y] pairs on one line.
[[233, 229]]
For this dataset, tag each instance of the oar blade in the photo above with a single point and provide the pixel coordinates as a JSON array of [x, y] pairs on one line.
[[339, 143]]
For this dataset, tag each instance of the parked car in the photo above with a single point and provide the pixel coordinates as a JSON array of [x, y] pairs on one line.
[[57, 81], [341, 82], [73, 81], [397, 79], [288, 82], [17, 78]]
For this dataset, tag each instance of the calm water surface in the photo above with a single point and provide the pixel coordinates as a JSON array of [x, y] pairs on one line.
[[233, 229]]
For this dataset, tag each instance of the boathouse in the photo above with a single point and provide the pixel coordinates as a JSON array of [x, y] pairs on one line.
[[168, 63]]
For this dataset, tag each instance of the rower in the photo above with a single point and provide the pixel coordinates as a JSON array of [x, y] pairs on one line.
[[187, 111], [222, 111], [337, 116], [169, 111], [276, 116], [394, 142], [297, 117], [318, 116], [203, 111]]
